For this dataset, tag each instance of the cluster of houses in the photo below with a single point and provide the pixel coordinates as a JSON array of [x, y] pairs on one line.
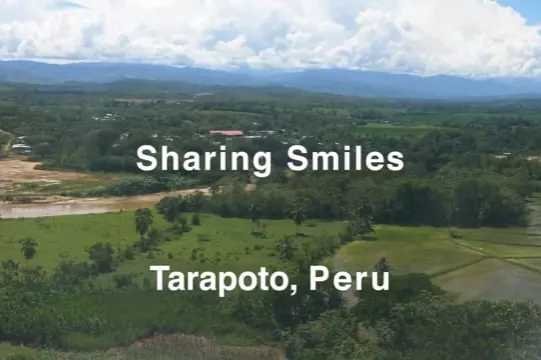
[[106, 117], [252, 134], [256, 134]]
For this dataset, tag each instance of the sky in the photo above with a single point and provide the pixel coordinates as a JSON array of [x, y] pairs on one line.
[[480, 38], [530, 9]]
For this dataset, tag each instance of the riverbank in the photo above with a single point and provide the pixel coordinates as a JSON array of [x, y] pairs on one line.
[[22, 188], [22, 181], [17, 169], [59, 206]]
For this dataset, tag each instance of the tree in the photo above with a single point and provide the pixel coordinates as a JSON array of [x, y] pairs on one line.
[[255, 215], [101, 255], [143, 221], [196, 219], [297, 215], [286, 248], [29, 248], [360, 223], [171, 208], [382, 265], [197, 201], [10, 271]]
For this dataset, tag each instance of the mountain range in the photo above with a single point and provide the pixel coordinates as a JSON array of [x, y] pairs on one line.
[[334, 81]]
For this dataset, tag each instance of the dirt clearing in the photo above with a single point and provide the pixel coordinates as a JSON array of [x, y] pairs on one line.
[[18, 170]]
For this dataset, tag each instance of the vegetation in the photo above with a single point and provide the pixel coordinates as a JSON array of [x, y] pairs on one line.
[[456, 229]]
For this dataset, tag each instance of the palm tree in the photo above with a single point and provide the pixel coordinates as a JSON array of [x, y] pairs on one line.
[[143, 221], [29, 248]]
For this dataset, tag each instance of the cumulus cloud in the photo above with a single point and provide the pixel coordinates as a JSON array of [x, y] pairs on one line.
[[464, 37]]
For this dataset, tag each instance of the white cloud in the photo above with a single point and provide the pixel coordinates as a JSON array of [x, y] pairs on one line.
[[467, 37]]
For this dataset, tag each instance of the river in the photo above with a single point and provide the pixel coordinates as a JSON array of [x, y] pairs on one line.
[[85, 205], [14, 211]]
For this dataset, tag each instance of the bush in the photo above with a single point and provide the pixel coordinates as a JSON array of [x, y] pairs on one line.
[[203, 237], [196, 220], [19, 357]]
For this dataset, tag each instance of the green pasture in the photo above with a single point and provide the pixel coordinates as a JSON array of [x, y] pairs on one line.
[[229, 239], [65, 235]]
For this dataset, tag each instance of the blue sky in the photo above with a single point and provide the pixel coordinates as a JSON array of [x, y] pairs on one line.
[[67, 5], [530, 9], [476, 38]]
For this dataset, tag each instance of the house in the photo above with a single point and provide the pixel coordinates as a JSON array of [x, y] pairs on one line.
[[21, 149], [227, 132]]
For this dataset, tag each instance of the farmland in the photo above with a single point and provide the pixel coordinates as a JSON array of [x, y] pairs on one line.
[[408, 249], [483, 264]]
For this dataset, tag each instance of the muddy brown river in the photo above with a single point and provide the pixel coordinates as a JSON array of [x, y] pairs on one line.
[[14, 211], [85, 205]]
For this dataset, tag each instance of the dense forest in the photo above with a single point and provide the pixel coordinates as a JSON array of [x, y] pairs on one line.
[[467, 165]]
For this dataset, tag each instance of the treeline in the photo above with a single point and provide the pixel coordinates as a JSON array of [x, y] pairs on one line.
[[444, 183], [474, 200]]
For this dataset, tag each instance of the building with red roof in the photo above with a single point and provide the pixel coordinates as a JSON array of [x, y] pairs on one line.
[[227, 132]]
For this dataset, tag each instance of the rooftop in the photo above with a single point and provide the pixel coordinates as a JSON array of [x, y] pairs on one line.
[[227, 132]]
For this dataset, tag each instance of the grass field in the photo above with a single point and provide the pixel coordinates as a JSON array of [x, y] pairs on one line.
[[232, 238]]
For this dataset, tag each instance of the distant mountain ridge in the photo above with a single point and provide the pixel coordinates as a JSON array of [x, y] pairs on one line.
[[334, 81]]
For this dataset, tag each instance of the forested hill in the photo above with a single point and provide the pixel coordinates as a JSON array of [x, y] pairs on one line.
[[334, 81]]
